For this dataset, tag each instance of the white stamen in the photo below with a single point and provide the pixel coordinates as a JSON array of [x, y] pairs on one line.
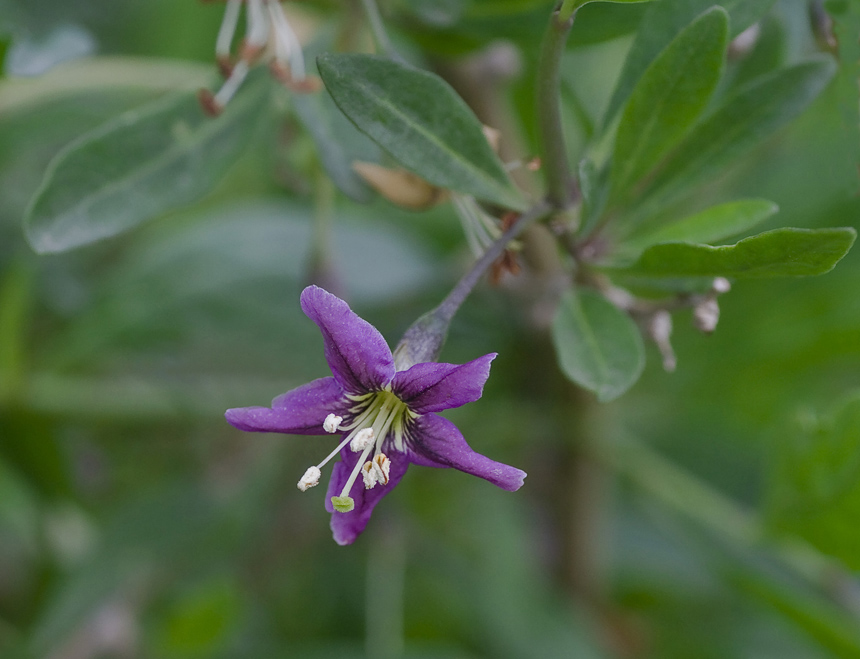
[[232, 83], [362, 440], [228, 27], [310, 479], [331, 423], [292, 49], [368, 473], [257, 33], [382, 468]]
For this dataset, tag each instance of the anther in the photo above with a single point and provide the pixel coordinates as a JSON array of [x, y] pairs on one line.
[[382, 468], [332, 422], [369, 475], [362, 440], [310, 479]]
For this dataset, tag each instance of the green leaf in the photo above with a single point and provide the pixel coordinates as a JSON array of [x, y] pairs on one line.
[[661, 23], [744, 120], [597, 345], [138, 166], [815, 486], [669, 98], [421, 121], [778, 253], [709, 226], [604, 21]]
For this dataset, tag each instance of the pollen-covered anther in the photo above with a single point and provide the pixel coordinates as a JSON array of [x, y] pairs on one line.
[[369, 475], [332, 423], [363, 439], [310, 479], [382, 468]]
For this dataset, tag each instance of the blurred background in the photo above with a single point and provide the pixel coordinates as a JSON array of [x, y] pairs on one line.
[[134, 522]]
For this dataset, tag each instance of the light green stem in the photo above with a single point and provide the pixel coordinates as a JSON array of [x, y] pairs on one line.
[[553, 151]]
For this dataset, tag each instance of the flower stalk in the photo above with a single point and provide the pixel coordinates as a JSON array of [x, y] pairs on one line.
[[424, 340]]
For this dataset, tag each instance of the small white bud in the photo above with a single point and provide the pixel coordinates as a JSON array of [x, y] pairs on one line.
[[721, 285], [382, 468], [362, 440], [706, 314], [331, 423], [310, 479], [660, 329], [369, 475]]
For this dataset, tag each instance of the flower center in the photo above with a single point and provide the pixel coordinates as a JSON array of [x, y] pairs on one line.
[[376, 417]]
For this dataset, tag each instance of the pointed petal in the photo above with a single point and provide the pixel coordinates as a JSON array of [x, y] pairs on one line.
[[346, 527], [436, 442], [433, 387], [297, 412], [358, 356]]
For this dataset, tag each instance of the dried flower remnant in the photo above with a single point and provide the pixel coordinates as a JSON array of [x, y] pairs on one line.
[[269, 34], [385, 411]]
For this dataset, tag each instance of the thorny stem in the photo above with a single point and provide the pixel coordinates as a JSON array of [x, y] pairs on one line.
[[551, 136]]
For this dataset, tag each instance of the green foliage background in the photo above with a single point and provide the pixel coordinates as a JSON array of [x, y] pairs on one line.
[[135, 522]]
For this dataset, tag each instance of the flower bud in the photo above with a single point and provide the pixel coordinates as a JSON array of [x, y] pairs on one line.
[[706, 314]]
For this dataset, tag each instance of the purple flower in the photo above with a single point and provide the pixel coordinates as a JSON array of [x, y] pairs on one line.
[[384, 410]]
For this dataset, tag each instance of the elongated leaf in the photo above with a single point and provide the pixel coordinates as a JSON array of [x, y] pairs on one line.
[[778, 253], [662, 21], [597, 345], [421, 121], [712, 224], [814, 489], [745, 119], [669, 98], [138, 166]]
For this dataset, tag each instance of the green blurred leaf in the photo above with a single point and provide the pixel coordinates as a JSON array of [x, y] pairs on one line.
[[421, 121], [200, 623], [597, 22], [815, 487], [745, 119], [580, 3], [338, 143], [708, 226], [669, 98], [846, 26], [15, 304], [778, 253], [142, 164], [597, 345], [661, 23]]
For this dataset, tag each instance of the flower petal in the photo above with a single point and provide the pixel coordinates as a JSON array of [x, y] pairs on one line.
[[436, 442], [433, 387], [297, 412], [358, 356], [346, 527]]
